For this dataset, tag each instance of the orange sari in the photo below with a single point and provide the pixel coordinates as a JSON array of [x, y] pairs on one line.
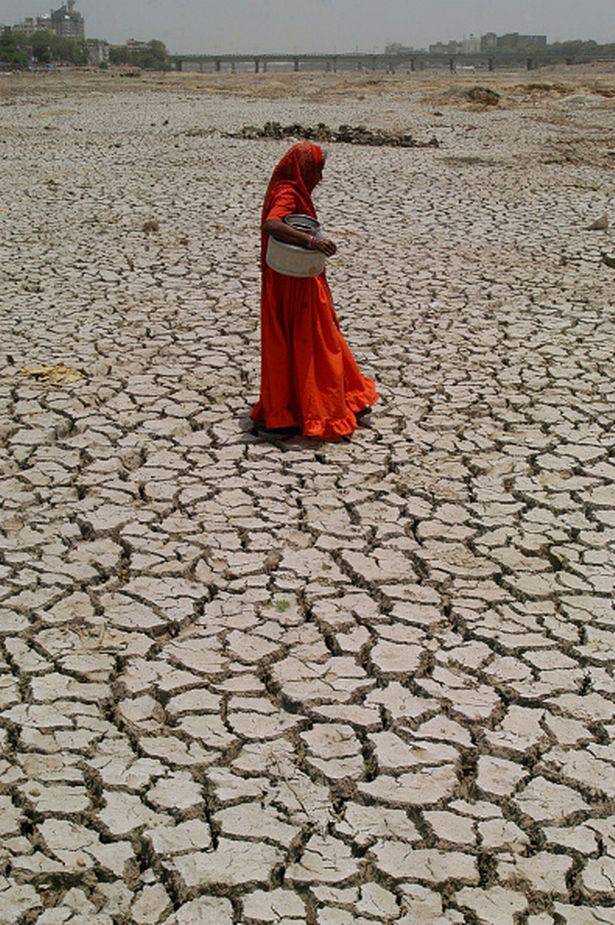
[[309, 377]]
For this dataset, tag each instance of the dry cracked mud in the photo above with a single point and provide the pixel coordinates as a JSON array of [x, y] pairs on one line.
[[244, 682]]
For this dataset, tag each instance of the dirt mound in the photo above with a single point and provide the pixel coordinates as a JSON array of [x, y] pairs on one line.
[[461, 95], [484, 96], [545, 89]]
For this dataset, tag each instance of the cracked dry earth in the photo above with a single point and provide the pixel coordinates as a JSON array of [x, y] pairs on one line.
[[246, 682]]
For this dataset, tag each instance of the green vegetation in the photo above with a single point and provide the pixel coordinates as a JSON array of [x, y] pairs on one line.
[[48, 48], [13, 51], [16, 48], [152, 57], [579, 51]]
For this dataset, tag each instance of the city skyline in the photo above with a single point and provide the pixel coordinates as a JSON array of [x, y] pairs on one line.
[[326, 25]]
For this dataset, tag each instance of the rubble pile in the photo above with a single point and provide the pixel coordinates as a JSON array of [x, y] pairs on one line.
[[348, 134]]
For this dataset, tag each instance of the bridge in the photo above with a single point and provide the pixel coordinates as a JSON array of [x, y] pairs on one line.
[[354, 61]]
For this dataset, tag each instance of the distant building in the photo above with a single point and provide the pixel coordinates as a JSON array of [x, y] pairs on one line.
[[31, 24], [513, 41], [535, 41], [396, 49], [446, 48], [509, 41], [470, 45], [28, 26], [136, 45], [97, 51], [65, 21], [68, 22], [489, 42]]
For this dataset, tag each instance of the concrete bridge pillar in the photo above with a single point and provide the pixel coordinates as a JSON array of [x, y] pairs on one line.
[[257, 66], [296, 64]]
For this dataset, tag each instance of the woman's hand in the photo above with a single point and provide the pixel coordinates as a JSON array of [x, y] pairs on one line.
[[283, 232], [324, 245]]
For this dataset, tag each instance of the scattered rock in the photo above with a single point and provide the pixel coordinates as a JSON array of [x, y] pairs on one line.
[[56, 375], [601, 224], [609, 260]]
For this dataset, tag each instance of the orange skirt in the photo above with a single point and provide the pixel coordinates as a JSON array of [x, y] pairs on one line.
[[309, 377]]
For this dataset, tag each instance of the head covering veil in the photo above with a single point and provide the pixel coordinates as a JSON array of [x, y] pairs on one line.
[[298, 170]]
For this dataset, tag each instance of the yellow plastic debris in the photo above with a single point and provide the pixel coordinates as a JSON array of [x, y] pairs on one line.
[[57, 375]]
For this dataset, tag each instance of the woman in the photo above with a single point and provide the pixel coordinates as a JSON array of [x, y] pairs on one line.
[[309, 378]]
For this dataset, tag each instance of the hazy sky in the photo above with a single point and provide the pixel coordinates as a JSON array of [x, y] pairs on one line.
[[326, 25]]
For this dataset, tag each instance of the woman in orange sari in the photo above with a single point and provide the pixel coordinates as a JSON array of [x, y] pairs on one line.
[[310, 381]]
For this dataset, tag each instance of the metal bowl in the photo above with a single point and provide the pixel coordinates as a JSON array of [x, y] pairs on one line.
[[290, 260], [294, 259], [303, 223]]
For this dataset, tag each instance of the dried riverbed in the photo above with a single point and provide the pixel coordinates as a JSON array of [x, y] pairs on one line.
[[245, 682]]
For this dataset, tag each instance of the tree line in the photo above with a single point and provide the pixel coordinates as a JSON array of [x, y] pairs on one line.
[[153, 57], [17, 49], [579, 48]]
